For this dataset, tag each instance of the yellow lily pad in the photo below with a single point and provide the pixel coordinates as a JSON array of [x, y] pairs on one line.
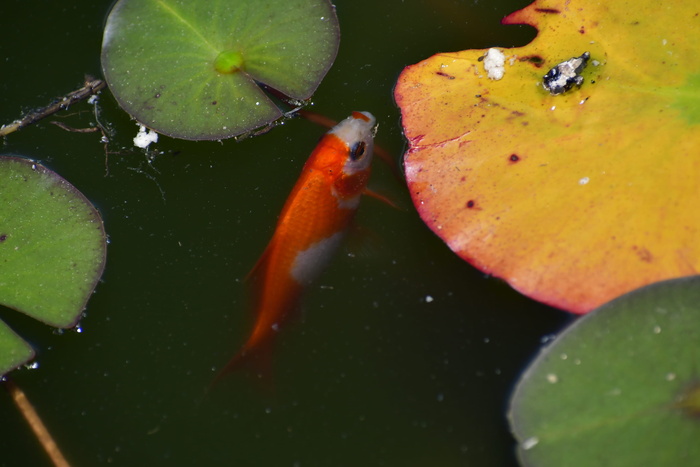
[[573, 198]]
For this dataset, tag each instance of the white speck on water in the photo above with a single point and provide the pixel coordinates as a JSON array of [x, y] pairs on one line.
[[257, 103], [595, 62], [657, 329], [494, 62], [32, 366], [584, 181], [93, 99], [530, 443], [144, 138], [670, 376], [547, 338], [428, 299], [552, 378], [563, 356], [553, 107], [664, 42]]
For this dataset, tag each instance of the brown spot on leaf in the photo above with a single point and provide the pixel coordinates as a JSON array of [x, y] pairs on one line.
[[534, 59], [442, 73], [552, 11], [514, 158], [644, 254], [3, 237]]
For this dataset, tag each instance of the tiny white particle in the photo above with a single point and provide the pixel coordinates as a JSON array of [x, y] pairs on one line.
[[553, 107], [657, 329], [670, 376], [563, 356], [552, 378], [664, 42], [584, 181], [583, 101], [595, 62], [530, 443], [428, 299]]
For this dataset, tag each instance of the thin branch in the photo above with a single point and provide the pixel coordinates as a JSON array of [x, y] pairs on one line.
[[91, 86], [35, 423]]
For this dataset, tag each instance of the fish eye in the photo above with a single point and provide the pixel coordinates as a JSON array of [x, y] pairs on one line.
[[358, 150]]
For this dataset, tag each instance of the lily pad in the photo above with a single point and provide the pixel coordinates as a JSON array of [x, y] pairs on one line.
[[194, 70], [52, 251], [576, 197], [620, 387]]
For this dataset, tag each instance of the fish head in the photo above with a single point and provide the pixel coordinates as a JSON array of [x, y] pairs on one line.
[[357, 132]]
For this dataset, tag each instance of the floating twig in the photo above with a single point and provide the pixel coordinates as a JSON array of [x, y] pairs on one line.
[[91, 86], [35, 423]]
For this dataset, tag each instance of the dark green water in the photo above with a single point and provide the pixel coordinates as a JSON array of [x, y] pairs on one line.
[[375, 374]]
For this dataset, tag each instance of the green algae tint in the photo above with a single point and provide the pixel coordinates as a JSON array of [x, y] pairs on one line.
[[193, 70], [619, 386], [52, 251]]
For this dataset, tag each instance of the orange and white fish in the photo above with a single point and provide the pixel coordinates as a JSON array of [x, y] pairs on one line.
[[313, 221]]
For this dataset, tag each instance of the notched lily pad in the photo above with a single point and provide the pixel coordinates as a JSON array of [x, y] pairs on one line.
[[620, 387], [574, 194], [193, 70], [52, 251]]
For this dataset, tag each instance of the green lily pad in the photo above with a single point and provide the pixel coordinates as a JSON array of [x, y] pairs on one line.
[[620, 387], [193, 70], [52, 251]]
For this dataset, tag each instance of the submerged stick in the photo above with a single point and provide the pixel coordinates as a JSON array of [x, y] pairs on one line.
[[91, 86], [42, 434]]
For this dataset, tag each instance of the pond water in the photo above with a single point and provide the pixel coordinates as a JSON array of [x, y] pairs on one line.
[[404, 354]]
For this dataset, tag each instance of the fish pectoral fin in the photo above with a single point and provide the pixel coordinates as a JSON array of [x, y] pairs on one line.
[[383, 198], [259, 266]]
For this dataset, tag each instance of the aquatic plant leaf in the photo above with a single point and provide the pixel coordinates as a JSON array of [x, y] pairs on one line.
[[193, 70], [573, 198], [621, 386], [52, 251]]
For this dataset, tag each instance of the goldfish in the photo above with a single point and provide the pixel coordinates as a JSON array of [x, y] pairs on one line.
[[310, 227]]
